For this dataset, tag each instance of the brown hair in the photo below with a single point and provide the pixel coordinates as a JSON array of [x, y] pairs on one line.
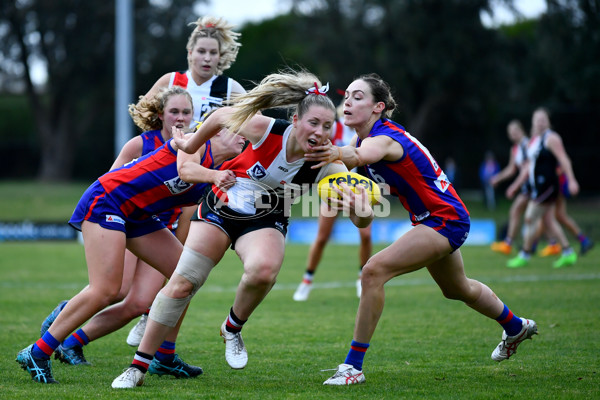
[[381, 92]]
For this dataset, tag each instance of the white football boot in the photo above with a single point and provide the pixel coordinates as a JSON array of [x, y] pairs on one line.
[[235, 351], [129, 379], [508, 345], [137, 332], [301, 294], [346, 374]]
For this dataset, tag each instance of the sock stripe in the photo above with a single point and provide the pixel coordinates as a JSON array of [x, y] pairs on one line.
[[140, 365], [79, 339], [508, 318], [356, 354], [232, 325], [141, 361], [359, 349], [43, 346]]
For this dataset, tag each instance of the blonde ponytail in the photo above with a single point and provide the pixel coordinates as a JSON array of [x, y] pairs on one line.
[[285, 89]]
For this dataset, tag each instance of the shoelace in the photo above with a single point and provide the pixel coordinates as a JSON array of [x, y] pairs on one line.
[[239, 343], [128, 375]]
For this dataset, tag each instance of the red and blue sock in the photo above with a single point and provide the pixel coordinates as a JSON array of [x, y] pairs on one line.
[[356, 354], [510, 322], [166, 352], [79, 338], [45, 346]]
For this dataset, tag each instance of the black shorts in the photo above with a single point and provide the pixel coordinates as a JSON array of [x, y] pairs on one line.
[[546, 189], [235, 224]]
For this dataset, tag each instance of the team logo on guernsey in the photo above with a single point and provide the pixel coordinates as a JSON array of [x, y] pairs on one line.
[[176, 185], [442, 182], [421, 217], [116, 219], [245, 200], [215, 100], [257, 171]]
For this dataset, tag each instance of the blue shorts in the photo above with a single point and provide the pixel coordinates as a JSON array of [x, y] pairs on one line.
[[456, 231], [235, 224], [96, 206], [563, 182]]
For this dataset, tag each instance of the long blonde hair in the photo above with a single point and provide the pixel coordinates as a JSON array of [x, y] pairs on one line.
[[220, 30], [145, 113], [285, 89]]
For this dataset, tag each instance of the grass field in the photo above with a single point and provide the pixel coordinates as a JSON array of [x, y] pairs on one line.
[[425, 347]]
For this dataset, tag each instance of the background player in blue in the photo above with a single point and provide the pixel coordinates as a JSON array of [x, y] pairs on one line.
[[141, 281], [392, 156], [118, 211], [168, 108], [252, 215]]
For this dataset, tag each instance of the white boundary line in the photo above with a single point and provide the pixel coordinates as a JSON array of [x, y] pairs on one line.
[[398, 281]]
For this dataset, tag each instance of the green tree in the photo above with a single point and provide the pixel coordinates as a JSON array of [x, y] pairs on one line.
[[74, 40], [443, 64], [457, 81]]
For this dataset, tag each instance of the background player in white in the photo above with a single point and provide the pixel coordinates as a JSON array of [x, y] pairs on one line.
[[212, 48], [518, 155], [544, 154]]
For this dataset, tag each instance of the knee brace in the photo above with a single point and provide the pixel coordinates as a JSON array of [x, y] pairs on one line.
[[194, 267], [167, 310]]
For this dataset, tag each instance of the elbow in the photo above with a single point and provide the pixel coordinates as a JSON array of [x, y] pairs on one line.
[[357, 161], [185, 174]]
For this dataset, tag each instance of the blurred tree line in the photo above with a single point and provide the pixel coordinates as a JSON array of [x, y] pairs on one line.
[[457, 81]]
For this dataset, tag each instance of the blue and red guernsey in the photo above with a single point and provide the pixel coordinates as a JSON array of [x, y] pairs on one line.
[[416, 178], [152, 140], [154, 185]]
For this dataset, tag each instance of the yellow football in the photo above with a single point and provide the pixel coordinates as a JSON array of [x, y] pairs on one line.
[[352, 179]]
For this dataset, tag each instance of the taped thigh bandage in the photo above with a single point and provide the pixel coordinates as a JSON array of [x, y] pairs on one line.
[[167, 310], [195, 268]]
